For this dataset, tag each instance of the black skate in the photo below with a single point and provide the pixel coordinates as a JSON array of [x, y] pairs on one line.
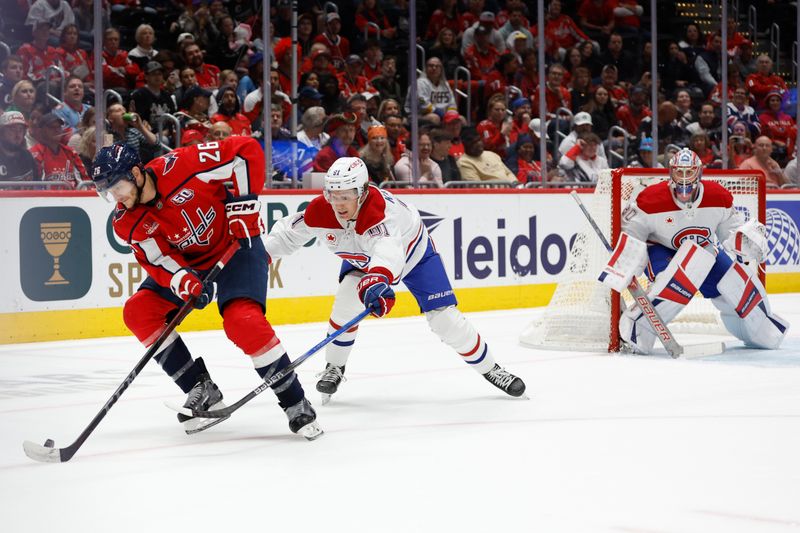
[[205, 395], [505, 381], [303, 420], [332, 377]]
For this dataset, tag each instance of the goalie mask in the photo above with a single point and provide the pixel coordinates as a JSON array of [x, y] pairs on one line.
[[347, 179], [685, 169]]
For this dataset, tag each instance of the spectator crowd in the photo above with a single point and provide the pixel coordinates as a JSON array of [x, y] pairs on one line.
[[200, 64]]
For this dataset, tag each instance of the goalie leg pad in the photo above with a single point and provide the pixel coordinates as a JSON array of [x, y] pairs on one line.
[[346, 305], [746, 312], [456, 331], [672, 289]]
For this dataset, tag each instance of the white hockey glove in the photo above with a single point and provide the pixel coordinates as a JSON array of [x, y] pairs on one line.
[[749, 242], [627, 260]]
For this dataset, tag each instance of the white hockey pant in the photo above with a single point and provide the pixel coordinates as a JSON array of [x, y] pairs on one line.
[[456, 331], [671, 291], [346, 306], [745, 309]]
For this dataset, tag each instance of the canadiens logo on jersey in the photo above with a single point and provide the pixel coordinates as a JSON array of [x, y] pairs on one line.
[[199, 234], [701, 236], [169, 162], [355, 259]]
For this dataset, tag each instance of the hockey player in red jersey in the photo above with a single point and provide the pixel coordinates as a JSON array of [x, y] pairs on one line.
[[178, 217], [681, 232], [381, 241]]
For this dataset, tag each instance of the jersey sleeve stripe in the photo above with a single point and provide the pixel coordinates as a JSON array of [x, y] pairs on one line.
[[156, 257]]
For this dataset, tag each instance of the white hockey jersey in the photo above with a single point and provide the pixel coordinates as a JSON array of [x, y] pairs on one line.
[[388, 235], [655, 217]]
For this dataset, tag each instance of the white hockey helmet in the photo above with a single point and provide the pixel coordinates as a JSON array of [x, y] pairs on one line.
[[685, 171], [347, 173]]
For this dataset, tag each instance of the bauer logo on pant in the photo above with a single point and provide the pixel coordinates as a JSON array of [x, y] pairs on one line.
[[55, 253]]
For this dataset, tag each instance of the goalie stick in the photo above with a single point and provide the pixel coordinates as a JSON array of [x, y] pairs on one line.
[[640, 298], [49, 453], [227, 411]]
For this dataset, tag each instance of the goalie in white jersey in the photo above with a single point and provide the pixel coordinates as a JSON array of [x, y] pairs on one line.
[[688, 225], [382, 241]]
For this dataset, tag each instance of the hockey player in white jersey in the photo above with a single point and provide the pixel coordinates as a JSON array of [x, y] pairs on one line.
[[382, 241], [690, 226]]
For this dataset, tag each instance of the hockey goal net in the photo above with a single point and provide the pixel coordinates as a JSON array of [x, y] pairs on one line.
[[583, 314]]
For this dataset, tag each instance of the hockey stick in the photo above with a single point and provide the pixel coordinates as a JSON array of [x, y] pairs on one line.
[[639, 296], [227, 411], [48, 453]]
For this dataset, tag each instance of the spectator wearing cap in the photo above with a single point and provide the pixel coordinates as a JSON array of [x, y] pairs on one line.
[[517, 44], [778, 126], [608, 79], [283, 56], [16, 162], [520, 119], [55, 161], [745, 60], [434, 96], [37, 55], [596, 19], [470, 16], [352, 80], [319, 61], [377, 155], [536, 130], [630, 115], [492, 35], [57, 13], [71, 110], [481, 56], [582, 125], [762, 161], [152, 101], [368, 13], [132, 130], [555, 94], [429, 171], [763, 82], [560, 32], [192, 136], [503, 75], [446, 16], [516, 23], [342, 129], [453, 124], [308, 97], [11, 72], [119, 72], [478, 164], [228, 111], [143, 52], [583, 162], [645, 155], [496, 128], [387, 83], [442, 141], [338, 45], [207, 75], [194, 107]]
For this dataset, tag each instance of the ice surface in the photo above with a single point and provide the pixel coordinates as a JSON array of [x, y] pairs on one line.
[[415, 441]]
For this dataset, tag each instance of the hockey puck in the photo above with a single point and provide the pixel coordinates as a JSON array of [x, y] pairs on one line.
[[49, 443]]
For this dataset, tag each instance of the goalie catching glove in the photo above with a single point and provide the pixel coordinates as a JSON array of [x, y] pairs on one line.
[[244, 218], [376, 294], [185, 284], [748, 243], [627, 260]]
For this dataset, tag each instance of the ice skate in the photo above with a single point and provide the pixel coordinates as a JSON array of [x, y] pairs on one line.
[[303, 420], [204, 395], [505, 381], [329, 383]]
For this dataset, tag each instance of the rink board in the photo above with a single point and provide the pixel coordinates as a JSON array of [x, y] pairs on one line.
[[502, 250]]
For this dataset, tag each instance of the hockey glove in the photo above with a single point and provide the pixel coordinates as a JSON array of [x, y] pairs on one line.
[[627, 260], [186, 284], [748, 243], [376, 294], [244, 218]]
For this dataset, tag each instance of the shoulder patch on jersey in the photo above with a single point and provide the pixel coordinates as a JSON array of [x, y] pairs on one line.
[[372, 212], [319, 214], [715, 195], [656, 199]]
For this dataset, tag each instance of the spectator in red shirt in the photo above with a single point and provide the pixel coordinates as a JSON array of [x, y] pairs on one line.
[[608, 79], [779, 127], [481, 57], [352, 81], [372, 59], [368, 12], [762, 82], [38, 55], [119, 72], [283, 55], [338, 45], [470, 16], [453, 123], [503, 75], [55, 161], [701, 145], [527, 79], [496, 128], [560, 32], [228, 111], [207, 75], [735, 39], [74, 60], [320, 61], [487, 21], [396, 135], [556, 95], [342, 129], [597, 19], [630, 115], [444, 17]]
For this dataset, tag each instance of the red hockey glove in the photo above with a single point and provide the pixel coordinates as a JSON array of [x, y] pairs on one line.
[[376, 294], [186, 284], [244, 218]]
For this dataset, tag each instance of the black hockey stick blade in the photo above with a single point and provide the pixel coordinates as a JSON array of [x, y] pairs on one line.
[[46, 454], [227, 411]]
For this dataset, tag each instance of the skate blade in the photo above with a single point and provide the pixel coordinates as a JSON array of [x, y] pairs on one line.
[[196, 425], [326, 398], [311, 431]]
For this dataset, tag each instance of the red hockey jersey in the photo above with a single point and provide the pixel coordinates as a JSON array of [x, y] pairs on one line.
[[185, 226]]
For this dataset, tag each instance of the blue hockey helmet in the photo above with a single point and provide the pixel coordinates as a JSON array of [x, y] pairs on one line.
[[111, 165]]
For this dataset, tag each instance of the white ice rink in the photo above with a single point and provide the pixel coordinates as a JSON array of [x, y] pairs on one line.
[[415, 441]]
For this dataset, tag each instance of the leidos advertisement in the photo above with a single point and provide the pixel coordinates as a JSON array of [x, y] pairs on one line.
[[59, 253]]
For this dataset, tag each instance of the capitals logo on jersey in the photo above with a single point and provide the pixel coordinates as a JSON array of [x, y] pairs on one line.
[[357, 260], [195, 234], [169, 162], [699, 235]]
